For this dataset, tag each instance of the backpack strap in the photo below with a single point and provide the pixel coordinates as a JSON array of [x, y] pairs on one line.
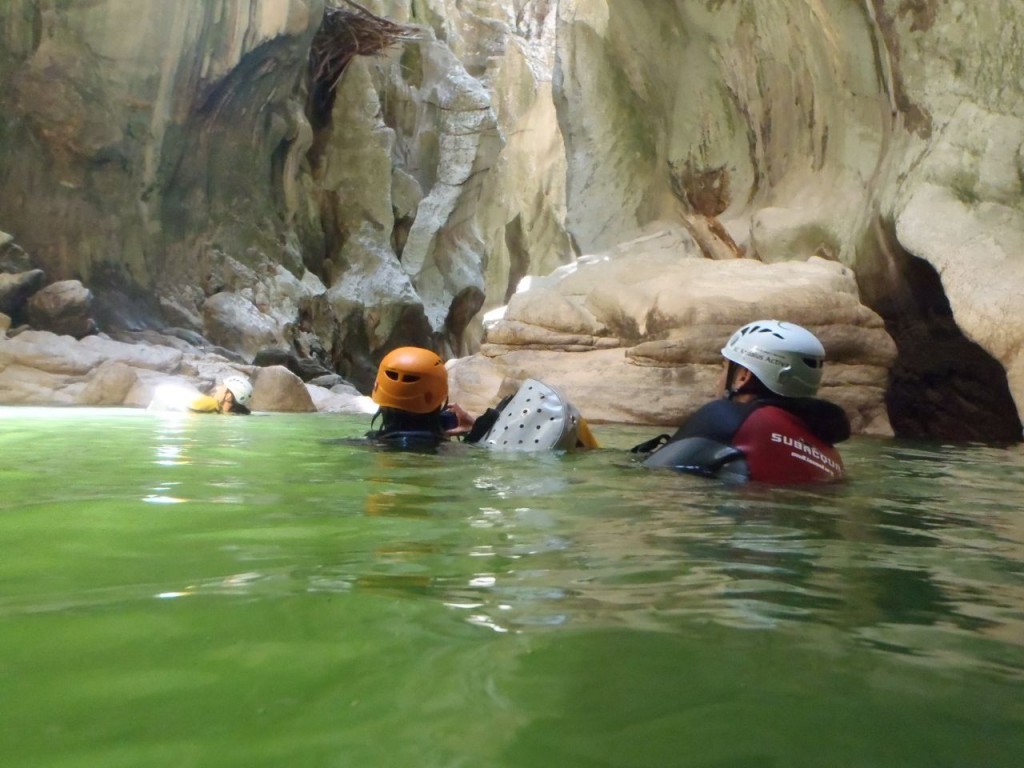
[[485, 421], [650, 445]]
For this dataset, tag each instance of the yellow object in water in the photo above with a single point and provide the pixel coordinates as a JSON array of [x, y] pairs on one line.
[[204, 404], [584, 437]]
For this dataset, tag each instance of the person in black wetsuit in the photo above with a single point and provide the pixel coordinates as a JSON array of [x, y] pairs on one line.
[[768, 426], [412, 391]]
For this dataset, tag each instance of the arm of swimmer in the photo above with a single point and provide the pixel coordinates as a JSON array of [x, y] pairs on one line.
[[465, 420]]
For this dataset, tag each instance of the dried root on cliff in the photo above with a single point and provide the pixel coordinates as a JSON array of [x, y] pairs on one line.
[[347, 31]]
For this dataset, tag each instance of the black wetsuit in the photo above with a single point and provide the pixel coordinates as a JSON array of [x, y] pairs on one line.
[[408, 431], [772, 440]]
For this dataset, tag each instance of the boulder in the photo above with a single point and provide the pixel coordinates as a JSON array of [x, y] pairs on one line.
[[109, 384], [278, 389], [234, 322], [64, 308]]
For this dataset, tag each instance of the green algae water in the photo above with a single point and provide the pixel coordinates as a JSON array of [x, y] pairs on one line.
[[184, 590]]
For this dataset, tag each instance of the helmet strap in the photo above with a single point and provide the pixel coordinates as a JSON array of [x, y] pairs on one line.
[[396, 420], [730, 377], [751, 385]]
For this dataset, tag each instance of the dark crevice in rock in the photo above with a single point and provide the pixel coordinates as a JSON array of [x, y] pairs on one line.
[[518, 255], [944, 386], [349, 353], [326, 263], [400, 234], [278, 168], [355, 356], [410, 329], [305, 368], [16, 290], [120, 304], [463, 309]]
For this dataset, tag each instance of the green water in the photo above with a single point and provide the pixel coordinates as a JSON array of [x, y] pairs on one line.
[[227, 591]]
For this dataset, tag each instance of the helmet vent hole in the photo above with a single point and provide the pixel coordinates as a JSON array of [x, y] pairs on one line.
[[409, 378], [813, 362], [393, 375]]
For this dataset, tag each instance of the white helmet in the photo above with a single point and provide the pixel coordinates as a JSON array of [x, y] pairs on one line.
[[787, 358], [537, 418], [240, 387]]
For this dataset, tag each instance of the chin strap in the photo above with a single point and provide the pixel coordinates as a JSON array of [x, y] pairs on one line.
[[730, 374]]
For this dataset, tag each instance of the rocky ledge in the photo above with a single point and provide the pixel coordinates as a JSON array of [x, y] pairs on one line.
[[634, 335], [43, 368]]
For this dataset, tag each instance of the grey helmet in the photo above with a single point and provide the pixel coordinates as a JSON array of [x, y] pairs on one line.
[[787, 358], [537, 418]]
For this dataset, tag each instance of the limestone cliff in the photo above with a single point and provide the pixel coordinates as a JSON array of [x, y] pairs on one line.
[[886, 135], [174, 158]]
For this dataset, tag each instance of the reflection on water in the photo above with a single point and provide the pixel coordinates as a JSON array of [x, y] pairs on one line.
[[465, 608]]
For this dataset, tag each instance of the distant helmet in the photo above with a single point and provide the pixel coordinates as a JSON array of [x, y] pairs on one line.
[[537, 418], [240, 388], [411, 379], [787, 358]]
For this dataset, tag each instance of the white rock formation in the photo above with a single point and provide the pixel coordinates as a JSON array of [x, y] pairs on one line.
[[644, 325]]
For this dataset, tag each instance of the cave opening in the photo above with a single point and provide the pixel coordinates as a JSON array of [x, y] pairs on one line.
[[944, 386]]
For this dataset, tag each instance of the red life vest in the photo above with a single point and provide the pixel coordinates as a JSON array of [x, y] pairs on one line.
[[779, 448]]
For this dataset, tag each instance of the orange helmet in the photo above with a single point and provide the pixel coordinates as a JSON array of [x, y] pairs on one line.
[[411, 379]]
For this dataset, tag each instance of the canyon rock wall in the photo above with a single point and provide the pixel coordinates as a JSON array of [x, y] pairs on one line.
[[169, 154], [180, 159], [885, 136]]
